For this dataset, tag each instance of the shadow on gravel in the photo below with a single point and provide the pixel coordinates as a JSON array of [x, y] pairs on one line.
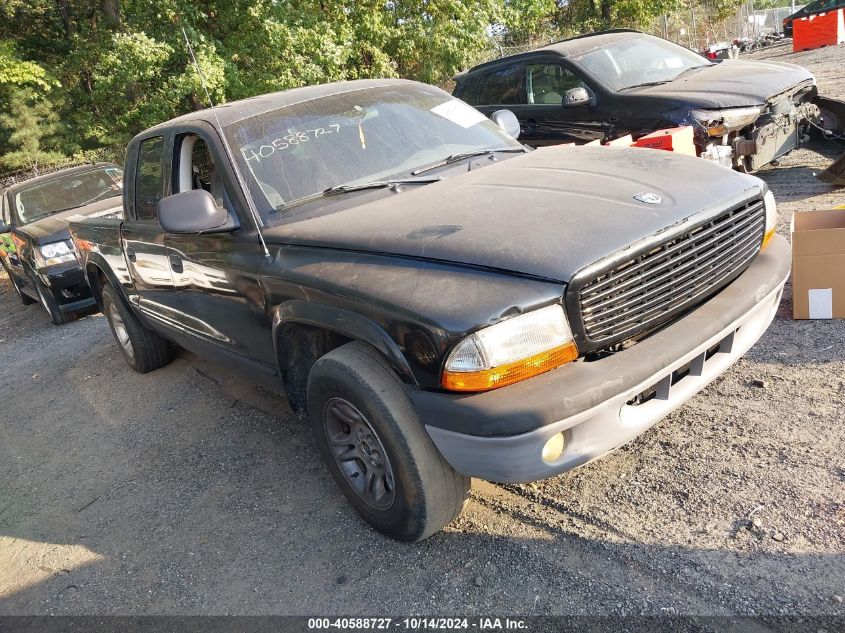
[[782, 179]]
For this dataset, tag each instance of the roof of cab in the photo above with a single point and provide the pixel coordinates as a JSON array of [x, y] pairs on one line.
[[235, 111], [565, 48]]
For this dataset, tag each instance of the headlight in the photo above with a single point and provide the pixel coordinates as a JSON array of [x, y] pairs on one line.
[[771, 218], [510, 351], [719, 122], [55, 253]]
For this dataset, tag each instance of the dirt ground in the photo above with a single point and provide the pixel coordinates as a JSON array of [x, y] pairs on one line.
[[189, 491]]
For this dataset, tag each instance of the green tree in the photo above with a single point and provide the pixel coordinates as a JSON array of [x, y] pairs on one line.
[[33, 126]]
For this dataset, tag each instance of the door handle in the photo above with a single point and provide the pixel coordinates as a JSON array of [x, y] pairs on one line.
[[175, 263], [130, 254]]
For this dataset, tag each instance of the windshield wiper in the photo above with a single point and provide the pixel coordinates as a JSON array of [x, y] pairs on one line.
[[339, 189], [690, 69], [643, 85], [376, 184], [454, 158], [665, 81]]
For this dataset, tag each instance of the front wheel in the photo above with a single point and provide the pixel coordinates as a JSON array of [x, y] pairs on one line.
[[142, 348], [376, 449]]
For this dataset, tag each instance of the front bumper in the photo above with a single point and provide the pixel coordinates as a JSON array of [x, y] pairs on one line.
[[499, 435], [68, 286]]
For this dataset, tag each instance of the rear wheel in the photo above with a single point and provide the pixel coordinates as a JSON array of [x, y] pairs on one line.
[[142, 348], [376, 449], [51, 305]]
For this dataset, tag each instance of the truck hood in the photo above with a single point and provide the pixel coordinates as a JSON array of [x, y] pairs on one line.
[[547, 213], [731, 83], [55, 227]]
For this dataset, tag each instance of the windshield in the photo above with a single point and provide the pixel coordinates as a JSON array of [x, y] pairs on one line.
[[355, 137], [638, 60], [67, 192]]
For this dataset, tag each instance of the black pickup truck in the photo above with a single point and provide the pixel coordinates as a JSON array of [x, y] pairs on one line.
[[35, 247], [443, 302]]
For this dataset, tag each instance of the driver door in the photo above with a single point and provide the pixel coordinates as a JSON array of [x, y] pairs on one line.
[[143, 238], [546, 84], [216, 275]]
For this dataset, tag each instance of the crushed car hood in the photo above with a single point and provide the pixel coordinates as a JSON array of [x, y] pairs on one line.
[[732, 83], [55, 227], [547, 213]]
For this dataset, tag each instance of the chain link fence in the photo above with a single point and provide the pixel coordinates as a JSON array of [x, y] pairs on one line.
[[752, 23], [698, 30]]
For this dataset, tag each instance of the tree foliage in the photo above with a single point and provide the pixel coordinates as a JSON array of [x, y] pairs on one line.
[[33, 128], [109, 68]]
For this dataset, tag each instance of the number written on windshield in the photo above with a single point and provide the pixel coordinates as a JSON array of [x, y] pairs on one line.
[[286, 141]]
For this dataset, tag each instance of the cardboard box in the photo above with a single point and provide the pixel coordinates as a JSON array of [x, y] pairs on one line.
[[818, 264]]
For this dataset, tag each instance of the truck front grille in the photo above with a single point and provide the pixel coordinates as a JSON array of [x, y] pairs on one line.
[[639, 294]]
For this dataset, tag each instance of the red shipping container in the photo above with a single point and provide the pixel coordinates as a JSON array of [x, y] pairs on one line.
[[676, 139], [815, 31]]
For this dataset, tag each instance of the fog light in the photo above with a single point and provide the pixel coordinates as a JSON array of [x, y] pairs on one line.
[[553, 448]]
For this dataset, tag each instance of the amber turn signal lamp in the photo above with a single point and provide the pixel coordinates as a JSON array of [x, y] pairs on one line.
[[486, 379], [771, 218], [768, 238]]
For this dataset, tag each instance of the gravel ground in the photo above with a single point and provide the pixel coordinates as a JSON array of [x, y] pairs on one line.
[[188, 491]]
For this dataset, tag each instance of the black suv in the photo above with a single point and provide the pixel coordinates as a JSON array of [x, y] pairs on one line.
[[606, 85], [35, 246]]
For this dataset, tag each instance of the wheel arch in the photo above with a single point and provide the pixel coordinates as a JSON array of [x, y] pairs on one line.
[[97, 274], [303, 331]]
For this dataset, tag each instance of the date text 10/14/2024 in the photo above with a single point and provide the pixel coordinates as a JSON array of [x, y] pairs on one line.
[[418, 624]]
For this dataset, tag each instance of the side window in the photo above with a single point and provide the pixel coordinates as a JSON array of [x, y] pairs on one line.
[[195, 169], [547, 83], [469, 89], [149, 180], [503, 86]]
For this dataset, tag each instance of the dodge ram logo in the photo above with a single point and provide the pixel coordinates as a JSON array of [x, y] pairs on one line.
[[648, 198]]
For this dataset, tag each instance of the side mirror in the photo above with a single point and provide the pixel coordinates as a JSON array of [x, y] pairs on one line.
[[576, 97], [193, 211], [507, 120]]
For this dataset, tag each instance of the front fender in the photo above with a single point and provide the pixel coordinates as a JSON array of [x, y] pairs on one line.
[[346, 323]]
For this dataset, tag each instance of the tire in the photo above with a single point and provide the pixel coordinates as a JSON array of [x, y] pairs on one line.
[[143, 349], [57, 317], [364, 423]]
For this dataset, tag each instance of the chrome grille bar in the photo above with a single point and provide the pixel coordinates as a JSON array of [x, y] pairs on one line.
[[638, 294]]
